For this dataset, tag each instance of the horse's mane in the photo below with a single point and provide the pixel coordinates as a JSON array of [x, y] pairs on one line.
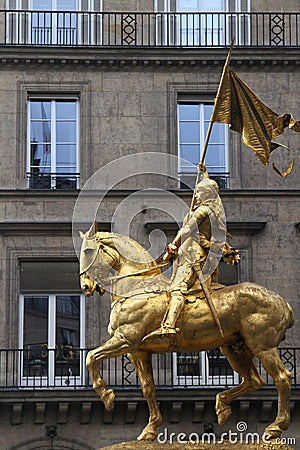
[[127, 247]]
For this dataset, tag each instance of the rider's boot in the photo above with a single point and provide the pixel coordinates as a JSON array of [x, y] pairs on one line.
[[168, 325]]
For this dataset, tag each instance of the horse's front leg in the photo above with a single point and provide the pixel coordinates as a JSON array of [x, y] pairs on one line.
[[143, 366], [114, 347]]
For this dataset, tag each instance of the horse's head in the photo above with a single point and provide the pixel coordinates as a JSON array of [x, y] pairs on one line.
[[95, 262]]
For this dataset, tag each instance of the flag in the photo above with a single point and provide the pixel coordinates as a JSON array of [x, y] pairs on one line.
[[237, 105]]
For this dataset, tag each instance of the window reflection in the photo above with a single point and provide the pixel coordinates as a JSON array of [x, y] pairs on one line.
[[42, 343], [35, 337], [67, 335], [53, 144]]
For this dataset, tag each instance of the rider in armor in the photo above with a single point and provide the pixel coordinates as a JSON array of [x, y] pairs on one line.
[[203, 233]]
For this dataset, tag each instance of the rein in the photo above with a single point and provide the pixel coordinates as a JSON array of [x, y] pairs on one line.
[[133, 274], [118, 277]]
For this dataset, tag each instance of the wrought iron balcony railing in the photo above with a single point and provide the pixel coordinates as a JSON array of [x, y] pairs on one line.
[[38, 367], [187, 179], [50, 180], [160, 29]]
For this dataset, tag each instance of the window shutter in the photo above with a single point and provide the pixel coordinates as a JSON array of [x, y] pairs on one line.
[[49, 276], [173, 6], [160, 5], [231, 5], [97, 5], [12, 4], [245, 6]]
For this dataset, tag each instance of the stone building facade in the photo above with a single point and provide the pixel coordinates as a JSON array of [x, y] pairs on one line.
[[82, 86]]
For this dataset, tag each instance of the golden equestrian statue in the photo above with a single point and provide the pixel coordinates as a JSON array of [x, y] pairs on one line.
[[192, 312], [252, 321]]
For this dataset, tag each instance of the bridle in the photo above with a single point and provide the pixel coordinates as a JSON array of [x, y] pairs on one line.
[[100, 246]]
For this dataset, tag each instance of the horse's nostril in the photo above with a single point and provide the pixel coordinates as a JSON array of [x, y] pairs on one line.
[[85, 287]]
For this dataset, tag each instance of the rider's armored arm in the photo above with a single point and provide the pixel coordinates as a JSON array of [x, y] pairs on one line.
[[191, 225], [182, 235]]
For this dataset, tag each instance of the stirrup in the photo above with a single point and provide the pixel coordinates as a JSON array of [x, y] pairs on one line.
[[162, 331]]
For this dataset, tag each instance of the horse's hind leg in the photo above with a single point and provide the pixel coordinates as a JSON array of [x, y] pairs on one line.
[[115, 346], [143, 366], [283, 380], [241, 360]]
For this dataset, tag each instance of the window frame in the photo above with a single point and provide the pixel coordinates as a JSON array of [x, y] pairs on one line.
[[170, 27], [54, 175], [193, 168], [63, 89], [203, 378], [50, 380], [19, 29]]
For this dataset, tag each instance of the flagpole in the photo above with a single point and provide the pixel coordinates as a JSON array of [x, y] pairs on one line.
[[211, 121]]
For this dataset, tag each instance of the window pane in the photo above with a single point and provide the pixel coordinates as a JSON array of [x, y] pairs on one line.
[[40, 155], [41, 131], [67, 335], [40, 110], [190, 153], [218, 364], [66, 5], [208, 109], [35, 339], [189, 133], [188, 112], [66, 132], [215, 156], [217, 134], [188, 364], [65, 156], [187, 5], [65, 110], [42, 5]]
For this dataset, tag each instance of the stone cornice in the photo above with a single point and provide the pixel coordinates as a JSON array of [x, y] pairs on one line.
[[225, 194], [116, 57], [243, 227], [42, 228]]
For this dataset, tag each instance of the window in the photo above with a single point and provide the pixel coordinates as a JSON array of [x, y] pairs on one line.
[[209, 368], [202, 22], [52, 325], [193, 121], [53, 22], [53, 144], [59, 28]]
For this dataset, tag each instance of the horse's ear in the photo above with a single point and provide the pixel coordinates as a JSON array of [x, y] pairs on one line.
[[93, 230], [81, 234]]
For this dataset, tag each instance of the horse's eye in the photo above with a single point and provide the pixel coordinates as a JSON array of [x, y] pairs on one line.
[[88, 251]]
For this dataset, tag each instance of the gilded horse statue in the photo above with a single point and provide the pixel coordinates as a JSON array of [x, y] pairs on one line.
[[254, 321]]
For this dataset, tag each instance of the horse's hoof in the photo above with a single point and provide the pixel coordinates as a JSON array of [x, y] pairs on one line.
[[223, 413], [147, 435], [272, 432], [108, 399]]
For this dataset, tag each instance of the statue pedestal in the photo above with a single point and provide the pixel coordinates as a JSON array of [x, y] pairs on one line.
[[147, 445]]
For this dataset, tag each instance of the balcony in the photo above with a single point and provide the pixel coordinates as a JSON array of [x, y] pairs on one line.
[[115, 29], [38, 367], [187, 180], [47, 180]]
